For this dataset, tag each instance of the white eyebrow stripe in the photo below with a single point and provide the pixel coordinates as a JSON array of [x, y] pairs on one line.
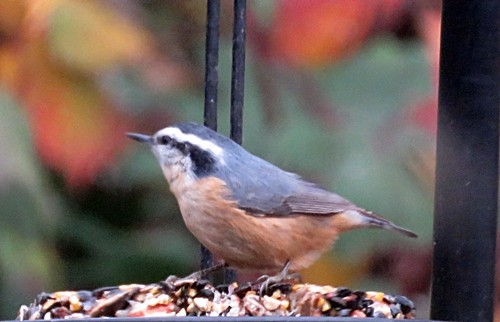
[[179, 136]]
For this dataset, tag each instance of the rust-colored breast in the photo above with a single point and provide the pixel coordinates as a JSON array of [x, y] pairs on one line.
[[253, 242]]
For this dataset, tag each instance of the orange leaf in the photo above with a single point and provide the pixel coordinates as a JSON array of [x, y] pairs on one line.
[[75, 130], [90, 36], [313, 33], [9, 66], [11, 14]]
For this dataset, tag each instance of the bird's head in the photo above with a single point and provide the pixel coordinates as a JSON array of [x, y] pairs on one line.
[[187, 149]]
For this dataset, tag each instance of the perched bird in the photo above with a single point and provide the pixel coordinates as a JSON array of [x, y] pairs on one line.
[[247, 211]]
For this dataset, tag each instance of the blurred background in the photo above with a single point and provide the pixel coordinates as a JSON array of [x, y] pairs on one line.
[[342, 92]]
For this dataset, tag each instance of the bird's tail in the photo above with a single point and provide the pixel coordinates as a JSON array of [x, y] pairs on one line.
[[376, 221]]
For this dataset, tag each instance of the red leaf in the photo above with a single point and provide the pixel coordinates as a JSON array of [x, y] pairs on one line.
[[313, 33], [75, 131], [424, 114]]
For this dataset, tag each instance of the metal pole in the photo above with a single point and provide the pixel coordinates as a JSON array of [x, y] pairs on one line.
[[237, 86], [238, 73], [211, 63], [466, 196], [211, 83]]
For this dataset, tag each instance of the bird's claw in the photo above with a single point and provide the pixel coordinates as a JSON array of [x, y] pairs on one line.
[[265, 280]]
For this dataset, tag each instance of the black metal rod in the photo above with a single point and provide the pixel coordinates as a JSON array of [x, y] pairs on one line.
[[237, 87], [211, 84], [238, 72], [211, 63], [466, 196]]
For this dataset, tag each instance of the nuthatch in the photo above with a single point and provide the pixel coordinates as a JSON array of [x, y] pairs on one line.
[[247, 211]]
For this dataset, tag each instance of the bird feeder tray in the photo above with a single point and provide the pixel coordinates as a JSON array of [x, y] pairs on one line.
[[196, 299]]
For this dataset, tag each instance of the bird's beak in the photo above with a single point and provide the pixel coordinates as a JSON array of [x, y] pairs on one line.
[[141, 138]]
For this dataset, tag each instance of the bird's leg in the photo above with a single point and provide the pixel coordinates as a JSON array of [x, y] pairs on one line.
[[283, 275], [176, 281]]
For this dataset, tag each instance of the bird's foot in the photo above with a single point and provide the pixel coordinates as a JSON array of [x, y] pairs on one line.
[[193, 277], [266, 281]]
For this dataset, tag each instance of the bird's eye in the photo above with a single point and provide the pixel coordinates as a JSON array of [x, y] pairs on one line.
[[164, 139]]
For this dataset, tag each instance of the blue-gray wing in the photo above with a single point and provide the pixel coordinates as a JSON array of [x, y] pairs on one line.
[[263, 189], [315, 201]]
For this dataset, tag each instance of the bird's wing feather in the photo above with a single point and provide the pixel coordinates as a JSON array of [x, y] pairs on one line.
[[316, 203], [263, 189]]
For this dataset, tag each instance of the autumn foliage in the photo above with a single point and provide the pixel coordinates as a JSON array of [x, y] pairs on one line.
[[53, 56]]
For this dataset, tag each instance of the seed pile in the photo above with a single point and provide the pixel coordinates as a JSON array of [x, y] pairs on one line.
[[193, 297]]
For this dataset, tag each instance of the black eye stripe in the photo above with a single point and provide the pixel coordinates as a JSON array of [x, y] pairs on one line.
[[167, 140], [203, 161], [183, 147]]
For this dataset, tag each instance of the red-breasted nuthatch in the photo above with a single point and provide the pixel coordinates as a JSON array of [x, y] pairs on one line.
[[247, 211]]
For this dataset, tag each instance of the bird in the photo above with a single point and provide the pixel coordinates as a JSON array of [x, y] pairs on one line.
[[245, 210]]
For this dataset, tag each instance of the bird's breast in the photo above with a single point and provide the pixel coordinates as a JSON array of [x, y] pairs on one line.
[[247, 241]]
